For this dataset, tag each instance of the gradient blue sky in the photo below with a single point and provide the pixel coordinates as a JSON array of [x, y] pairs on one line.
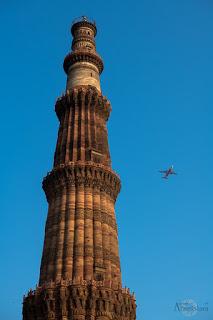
[[158, 76]]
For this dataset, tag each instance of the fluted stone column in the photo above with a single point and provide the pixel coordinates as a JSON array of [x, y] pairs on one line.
[[88, 234], [78, 267], [98, 246], [47, 241], [60, 237], [106, 237], [69, 234], [52, 249]]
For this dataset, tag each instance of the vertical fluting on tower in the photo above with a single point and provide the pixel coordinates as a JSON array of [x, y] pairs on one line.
[[88, 234], [80, 276]]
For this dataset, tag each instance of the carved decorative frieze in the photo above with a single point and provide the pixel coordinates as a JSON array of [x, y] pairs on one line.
[[64, 300], [80, 56], [74, 174]]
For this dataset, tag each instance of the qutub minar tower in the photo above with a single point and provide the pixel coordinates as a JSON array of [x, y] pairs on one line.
[[80, 276]]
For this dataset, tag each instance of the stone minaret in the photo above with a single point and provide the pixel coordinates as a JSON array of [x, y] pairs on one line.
[[80, 276]]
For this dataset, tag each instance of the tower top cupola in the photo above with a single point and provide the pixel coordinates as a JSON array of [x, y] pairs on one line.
[[83, 22]]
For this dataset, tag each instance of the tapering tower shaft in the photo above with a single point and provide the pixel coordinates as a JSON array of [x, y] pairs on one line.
[[81, 195], [80, 276]]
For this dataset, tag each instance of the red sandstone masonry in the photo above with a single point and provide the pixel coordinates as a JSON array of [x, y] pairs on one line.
[[80, 276]]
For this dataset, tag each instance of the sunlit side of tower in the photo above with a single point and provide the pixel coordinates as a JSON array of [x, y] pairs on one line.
[[80, 276]]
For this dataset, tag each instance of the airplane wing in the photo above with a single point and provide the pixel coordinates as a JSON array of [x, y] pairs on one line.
[[173, 172], [163, 171]]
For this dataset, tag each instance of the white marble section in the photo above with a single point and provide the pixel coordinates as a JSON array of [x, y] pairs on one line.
[[83, 73]]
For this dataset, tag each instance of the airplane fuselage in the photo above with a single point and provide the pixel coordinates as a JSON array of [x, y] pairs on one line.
[[167, 172]]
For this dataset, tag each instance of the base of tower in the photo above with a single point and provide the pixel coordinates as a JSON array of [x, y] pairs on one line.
[[88, 300]]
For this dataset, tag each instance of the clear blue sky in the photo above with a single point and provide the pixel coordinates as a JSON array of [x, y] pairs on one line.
[[158, 76]]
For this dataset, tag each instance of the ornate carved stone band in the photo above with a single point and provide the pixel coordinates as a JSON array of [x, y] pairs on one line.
[[81, 56], [81, 175], [85, 301]]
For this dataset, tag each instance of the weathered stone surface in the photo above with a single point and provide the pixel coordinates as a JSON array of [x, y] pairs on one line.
[[80, 276]]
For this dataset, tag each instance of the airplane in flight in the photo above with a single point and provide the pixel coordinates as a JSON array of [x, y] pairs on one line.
[[167, 172]]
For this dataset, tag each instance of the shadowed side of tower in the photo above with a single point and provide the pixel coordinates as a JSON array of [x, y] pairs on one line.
[[80, 275]]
